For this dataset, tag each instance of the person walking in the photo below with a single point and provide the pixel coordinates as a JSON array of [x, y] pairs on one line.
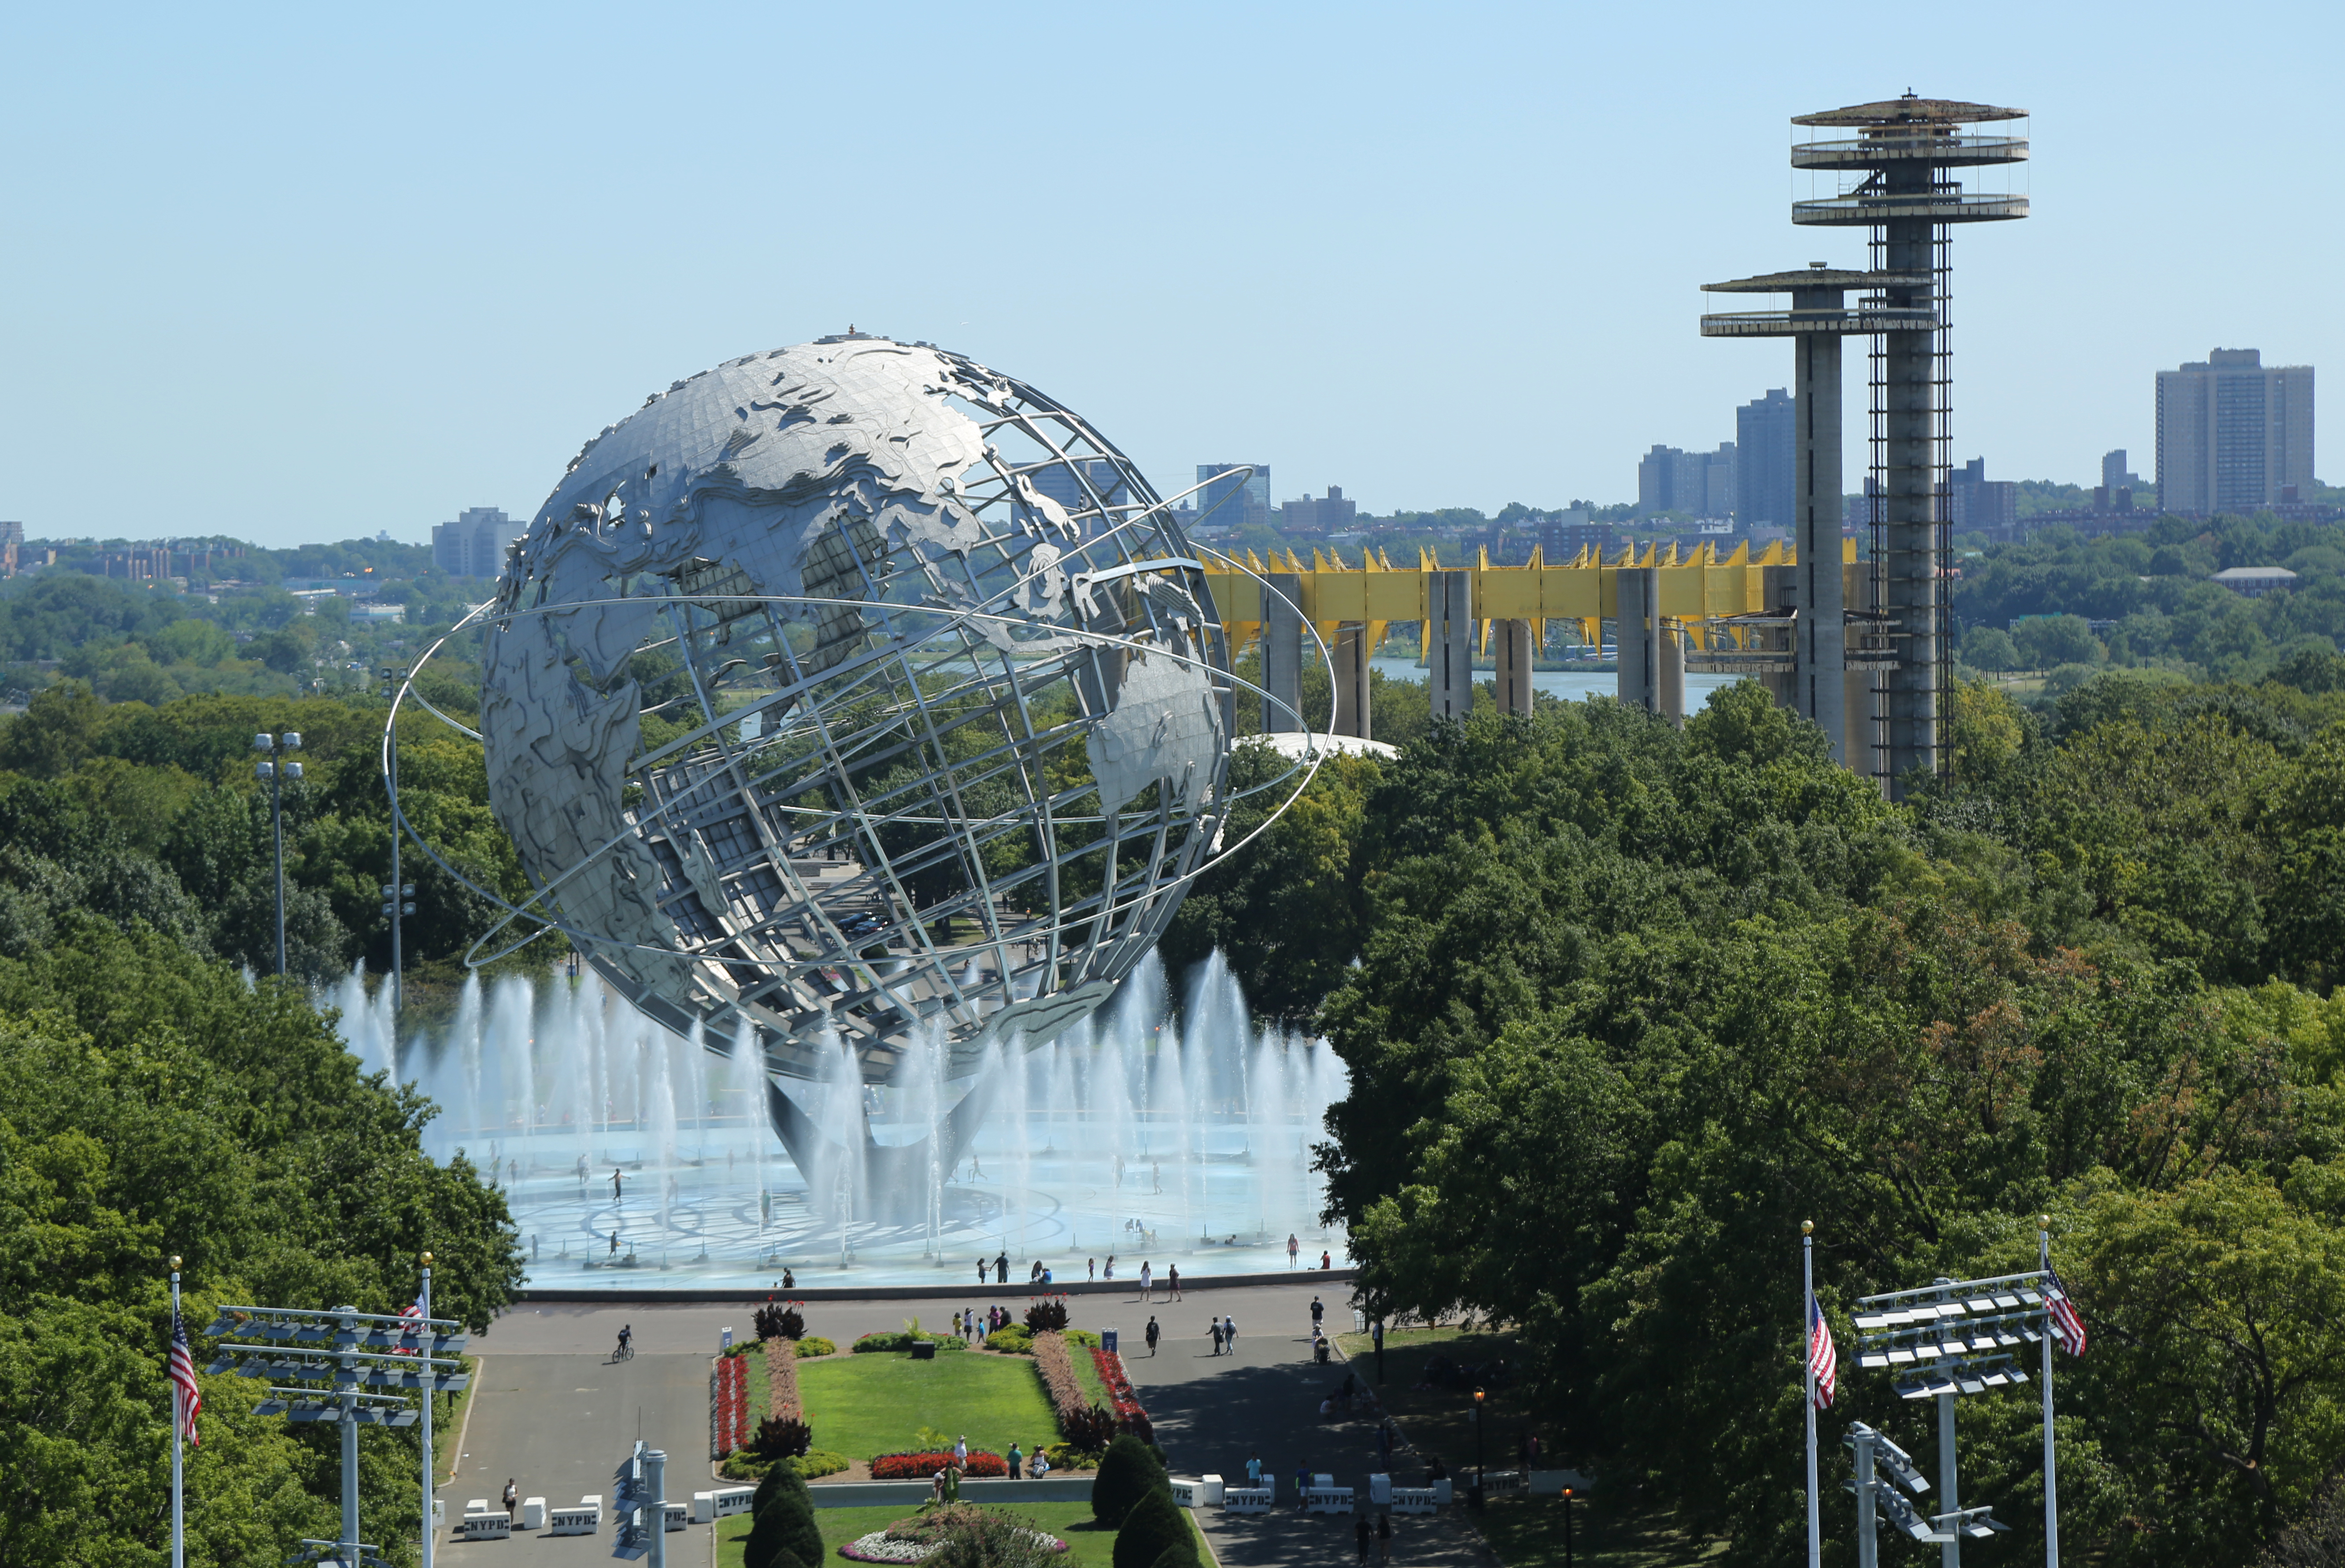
[[1302, 1480], [1361, 1534], [512, 1500], [1214, 1328], [1001, 1267], [981, 1271], [1230, 1332], [1152, 1333], [1147, 1285], [1172, 1279], [617, 1193], [1254, 1470], [1384, 1537], [1014, 1459], [1292, 1246], [1093, 1264], [1318, 1310]]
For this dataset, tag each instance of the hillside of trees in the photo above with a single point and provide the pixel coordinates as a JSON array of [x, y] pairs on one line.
[[1624, 1004]]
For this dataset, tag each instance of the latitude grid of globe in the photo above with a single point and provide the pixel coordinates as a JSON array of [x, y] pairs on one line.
[[952, 747]]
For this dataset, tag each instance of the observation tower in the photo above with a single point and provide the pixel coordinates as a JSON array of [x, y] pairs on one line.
[[1897, 174]]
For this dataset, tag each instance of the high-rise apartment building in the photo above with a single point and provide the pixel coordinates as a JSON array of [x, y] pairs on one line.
[[1766, 438], [2233, 434], [1332, 513], [1233, 498], [1060, 482], [1984, 505], [473, 545], [1699, 483]]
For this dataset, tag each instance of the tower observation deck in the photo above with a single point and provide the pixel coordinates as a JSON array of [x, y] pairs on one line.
[[1900, 158]]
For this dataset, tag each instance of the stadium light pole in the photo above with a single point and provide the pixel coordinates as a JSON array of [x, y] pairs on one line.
[[275, 767], [423, 1307]]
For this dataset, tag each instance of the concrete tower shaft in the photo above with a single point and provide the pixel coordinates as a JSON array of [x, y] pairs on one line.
[[1904, 149]]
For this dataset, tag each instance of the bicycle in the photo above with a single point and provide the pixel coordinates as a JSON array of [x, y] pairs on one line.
[[625, 1352]]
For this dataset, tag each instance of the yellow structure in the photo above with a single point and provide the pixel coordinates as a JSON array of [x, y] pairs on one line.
[[1697, 590]]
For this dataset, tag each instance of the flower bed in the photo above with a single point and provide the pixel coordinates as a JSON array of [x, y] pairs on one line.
[[1119, 1394], [1080, 1422], [912, 1540], [921, 1466], [782, 1380], [729, 1406]]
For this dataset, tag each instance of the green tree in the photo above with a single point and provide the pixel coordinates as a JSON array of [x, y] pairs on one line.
[[1128, 1471]]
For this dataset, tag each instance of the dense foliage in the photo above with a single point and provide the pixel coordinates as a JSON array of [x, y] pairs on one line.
[[153, 815], [149, 1103], [2036, 605], [1631, 1003]]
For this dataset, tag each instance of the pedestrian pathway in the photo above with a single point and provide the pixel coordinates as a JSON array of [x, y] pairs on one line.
[[1211, 1412]]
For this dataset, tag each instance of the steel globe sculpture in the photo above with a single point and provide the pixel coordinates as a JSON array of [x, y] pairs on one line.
[[861, 702]]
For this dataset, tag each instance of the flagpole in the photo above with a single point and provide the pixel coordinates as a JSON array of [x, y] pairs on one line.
[[424, 1301], [178, 1504], [1808, 1361], [2051, 1477]]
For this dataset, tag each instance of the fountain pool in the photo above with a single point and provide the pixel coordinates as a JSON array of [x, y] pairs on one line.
[[1139, 1133]]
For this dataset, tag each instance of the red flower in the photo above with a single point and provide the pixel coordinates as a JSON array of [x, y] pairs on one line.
[[920, 1466]]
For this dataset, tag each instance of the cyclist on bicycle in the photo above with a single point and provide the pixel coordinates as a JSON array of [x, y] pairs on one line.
[[626, 1341]]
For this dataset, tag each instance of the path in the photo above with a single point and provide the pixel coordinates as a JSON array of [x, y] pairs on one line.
[[1211, 1412]]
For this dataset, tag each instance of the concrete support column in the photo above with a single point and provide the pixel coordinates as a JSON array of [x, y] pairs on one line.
[[1652, 659], [1282, 653], [1450, 657], [1864, 742], [1668, 686], [1780, 592], [1820, 643], [1910, 530], [1352, 715], [1516, 654]]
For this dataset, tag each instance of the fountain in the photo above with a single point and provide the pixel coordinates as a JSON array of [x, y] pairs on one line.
[[1132, 1134]]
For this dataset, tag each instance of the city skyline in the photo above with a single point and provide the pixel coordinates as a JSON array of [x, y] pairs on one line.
[[427, 296]]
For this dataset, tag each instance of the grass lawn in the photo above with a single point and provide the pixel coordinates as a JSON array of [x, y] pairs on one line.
[[1525, 1531], [1090, 1546], [872, 1404]]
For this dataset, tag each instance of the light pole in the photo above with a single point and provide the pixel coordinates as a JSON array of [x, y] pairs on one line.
[[424, 1310], [1477, 1449], [1566, 1528], [276, 766], [397, 896]]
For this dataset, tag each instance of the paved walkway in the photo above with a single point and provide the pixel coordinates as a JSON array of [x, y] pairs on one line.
[[1212, 1412]]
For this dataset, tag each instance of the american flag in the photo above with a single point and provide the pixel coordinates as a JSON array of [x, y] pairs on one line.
[[187, 1398], [1822, 1362], [413, 1313], [2060, 1315]]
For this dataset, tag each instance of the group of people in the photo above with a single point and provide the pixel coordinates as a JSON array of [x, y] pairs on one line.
[[972, 1328], [1224, 1331]]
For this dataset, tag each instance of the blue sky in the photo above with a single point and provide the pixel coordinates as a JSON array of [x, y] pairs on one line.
[[308, 272]]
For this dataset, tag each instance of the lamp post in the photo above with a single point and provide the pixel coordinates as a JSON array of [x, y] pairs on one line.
[[1567, 1527], [423, 1309], [1478, 1424], [275, 767], [397, 896]]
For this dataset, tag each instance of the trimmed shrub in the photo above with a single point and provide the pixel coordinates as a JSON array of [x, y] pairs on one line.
[[1090, 1429], [779, 1322], [785, 1531], [816, 1345], [1184, 1555], [1128, 1471], [817, 1461], [1154, 1526], [1049, 1313], [782, 1437], [1012, 1342]]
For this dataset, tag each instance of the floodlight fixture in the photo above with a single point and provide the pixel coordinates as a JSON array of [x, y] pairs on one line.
[[350, 1353]]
